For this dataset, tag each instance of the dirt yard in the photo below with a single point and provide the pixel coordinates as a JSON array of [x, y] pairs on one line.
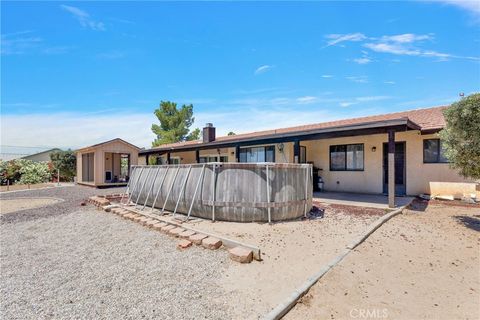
[[423, 264], [68, 261], [11, 205], [292, 252], [17, 187]]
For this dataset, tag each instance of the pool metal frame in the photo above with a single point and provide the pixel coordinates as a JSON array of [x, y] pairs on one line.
[[135, 183]]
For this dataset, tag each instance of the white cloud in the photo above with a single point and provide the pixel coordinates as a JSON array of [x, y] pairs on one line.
[[84, 18], [346, 104], [358, 79], [263, 69], [390, 82], [470, 6], [371, 98], [307, 99], [327, 76], [358, 100], [72, 130], [400, 44], [363, 60], [335, 39], [407, 38], [17, 43]]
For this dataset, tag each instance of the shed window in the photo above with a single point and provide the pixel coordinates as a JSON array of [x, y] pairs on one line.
[[257, 154], [433, 151], [346, 157]]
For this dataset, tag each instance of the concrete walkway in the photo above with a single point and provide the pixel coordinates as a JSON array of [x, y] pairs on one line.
[[359, 199]]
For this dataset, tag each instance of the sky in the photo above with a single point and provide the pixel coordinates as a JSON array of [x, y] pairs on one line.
[[78, 73]]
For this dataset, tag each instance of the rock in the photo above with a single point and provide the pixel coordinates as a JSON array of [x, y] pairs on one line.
[[241, 254], [197, 238], [184, 244], [186, 234], [167, 227], [176, 231], [158, 226], [211, 243], [151, 223]]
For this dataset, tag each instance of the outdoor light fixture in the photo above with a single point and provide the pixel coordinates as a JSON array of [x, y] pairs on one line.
[[374, 149]]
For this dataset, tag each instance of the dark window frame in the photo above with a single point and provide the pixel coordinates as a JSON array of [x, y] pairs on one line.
[[346, 150], [244, 150], [439, 150]]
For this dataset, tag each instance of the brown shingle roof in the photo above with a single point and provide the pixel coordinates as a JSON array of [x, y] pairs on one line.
[[426, 119]]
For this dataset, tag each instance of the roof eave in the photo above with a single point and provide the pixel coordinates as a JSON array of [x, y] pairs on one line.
[[400, 122]]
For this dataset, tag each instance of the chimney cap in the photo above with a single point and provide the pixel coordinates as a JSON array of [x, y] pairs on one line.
[[208, 125]]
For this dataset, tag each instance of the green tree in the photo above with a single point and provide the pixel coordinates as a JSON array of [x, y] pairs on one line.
[[66, 162], [461, 136], [231, 133], [174, 124]]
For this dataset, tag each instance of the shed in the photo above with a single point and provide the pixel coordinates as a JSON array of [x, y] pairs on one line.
[[107, 163]]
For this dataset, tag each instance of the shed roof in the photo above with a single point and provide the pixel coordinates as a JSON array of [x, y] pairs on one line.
[[107, 142]]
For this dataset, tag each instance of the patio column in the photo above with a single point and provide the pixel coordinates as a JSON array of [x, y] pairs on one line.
[[296, 151], [237, 153], [168, 157], [197, 155], [391, 169]]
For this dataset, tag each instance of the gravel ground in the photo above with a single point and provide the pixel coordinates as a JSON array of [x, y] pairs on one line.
[[61, 262], [73, 196]]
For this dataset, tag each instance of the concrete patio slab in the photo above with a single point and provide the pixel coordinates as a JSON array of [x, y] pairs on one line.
[[359, 199]]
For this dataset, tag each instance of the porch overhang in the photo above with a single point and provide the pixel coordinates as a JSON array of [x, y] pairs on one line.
[[376, 127]]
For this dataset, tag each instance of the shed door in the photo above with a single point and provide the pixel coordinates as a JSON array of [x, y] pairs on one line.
[[87, 167]]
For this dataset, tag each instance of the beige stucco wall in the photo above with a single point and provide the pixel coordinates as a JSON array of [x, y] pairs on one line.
[[418, 174], [142, 160]]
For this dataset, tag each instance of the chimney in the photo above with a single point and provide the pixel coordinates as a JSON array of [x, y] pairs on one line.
[[208, 133]]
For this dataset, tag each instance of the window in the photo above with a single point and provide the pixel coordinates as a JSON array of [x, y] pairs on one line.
[[174, 160], [257, 154], [433, 151], [346, 157], [303, 154], [213, 159]]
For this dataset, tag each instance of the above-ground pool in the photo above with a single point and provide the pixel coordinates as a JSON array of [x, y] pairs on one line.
[[241, 192]]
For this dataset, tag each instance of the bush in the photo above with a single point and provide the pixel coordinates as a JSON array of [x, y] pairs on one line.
[[10, 170], [66, 162], [34, 172]]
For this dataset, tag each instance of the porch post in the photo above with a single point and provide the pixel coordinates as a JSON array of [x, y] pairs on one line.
[[197, 155], [168, 157], [391, 169], [237, 153], [296, 151]]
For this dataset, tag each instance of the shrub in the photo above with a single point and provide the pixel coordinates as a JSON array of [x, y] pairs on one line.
[[10, 170], [65, 161], [34, 172]]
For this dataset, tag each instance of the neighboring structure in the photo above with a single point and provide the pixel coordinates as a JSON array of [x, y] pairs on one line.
[[106, 164], [354, 155], [41, 156]]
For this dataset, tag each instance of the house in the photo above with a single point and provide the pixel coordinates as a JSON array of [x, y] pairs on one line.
[[41, 156], [106, 164], [353, 155]]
